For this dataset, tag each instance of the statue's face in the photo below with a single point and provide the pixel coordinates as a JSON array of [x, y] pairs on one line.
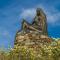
[[38, 12]]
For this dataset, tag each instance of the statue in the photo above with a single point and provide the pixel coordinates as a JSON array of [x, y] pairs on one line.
[[38, 24]]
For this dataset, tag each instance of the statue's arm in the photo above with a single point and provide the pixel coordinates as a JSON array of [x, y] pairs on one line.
[[34, 21]]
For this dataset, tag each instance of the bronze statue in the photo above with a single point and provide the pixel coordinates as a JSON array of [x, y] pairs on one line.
[[38, 24]]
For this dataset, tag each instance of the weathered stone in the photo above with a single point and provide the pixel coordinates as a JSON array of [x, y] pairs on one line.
[[34, 33], [38, 24]]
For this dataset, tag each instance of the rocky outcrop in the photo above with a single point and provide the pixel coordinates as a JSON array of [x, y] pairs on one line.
[[34, 33], [32, 39]]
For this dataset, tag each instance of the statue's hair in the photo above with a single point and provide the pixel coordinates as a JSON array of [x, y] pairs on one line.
[[42, 14]]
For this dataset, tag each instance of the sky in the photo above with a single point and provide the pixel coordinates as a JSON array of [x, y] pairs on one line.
[[13, 11]]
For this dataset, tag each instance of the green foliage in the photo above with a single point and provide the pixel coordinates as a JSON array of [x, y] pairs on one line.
[[25, 53]]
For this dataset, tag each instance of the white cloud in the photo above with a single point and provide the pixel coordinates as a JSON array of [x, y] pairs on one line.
[[28, 13], [53, 18], [53, 15]]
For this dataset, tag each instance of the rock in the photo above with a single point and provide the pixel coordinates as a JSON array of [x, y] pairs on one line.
[[34, 33], [32, 39]]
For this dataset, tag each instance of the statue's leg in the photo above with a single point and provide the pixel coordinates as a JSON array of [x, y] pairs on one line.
[[27, 26]]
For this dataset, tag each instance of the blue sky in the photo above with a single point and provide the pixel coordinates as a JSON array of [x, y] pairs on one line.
[[12, 12]]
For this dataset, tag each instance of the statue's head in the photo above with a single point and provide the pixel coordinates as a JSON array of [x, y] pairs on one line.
[[38, 11]]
